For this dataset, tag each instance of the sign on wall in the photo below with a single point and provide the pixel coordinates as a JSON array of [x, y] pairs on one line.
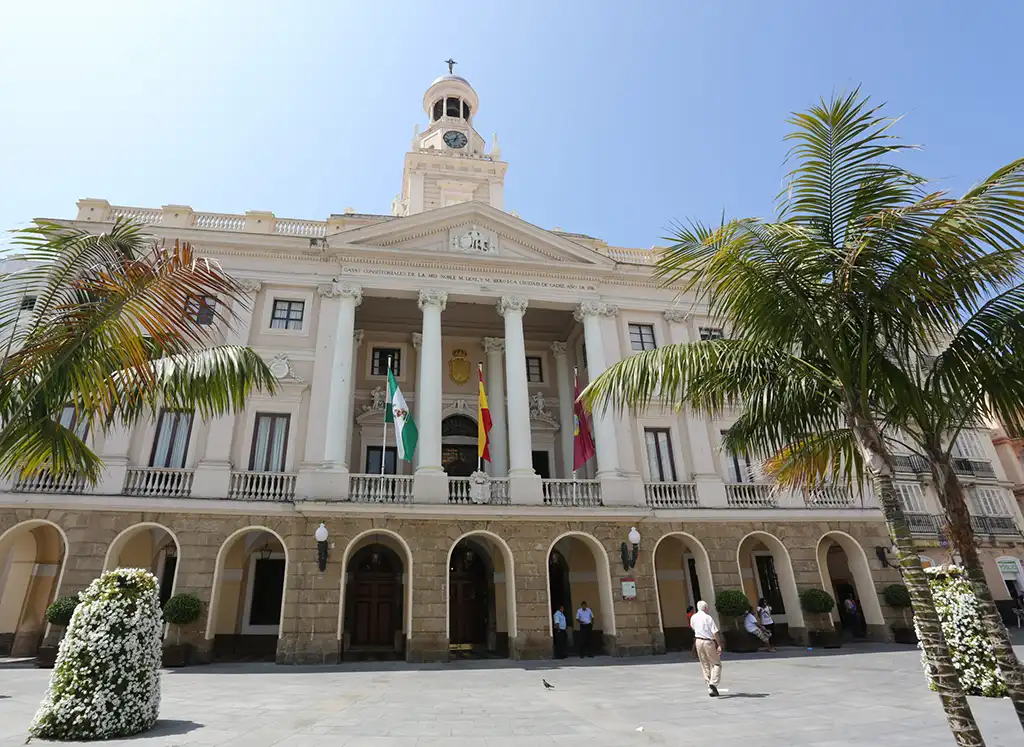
[[1008, 568], [629, 589]]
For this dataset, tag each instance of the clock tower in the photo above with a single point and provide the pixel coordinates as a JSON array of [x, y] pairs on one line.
[[449, 162]]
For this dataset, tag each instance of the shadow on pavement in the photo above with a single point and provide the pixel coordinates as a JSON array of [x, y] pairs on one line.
[[743, 695], [168, 727]]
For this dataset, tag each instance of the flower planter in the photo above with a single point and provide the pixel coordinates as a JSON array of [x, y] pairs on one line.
[[46, 657], [904, 635], [824, 639], [177, 655]]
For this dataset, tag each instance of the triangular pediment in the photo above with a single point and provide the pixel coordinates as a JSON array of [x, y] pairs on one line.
[[471, 229]]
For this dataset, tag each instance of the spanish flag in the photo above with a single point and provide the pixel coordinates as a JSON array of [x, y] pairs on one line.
[[483, 420]]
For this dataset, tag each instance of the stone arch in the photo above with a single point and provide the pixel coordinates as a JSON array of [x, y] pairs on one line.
[[681, 589], [507, 580], [154, 558], [404, 553], [33, 557], [217, 596], [602, 570], [794, 615], [864, 584]]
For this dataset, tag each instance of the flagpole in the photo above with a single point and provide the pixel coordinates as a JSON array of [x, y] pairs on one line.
[[384, 442], [575, 388], [479, 456]]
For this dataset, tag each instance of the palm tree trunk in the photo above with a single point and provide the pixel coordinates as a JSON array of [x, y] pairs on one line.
[[951, 495], [936, 653]]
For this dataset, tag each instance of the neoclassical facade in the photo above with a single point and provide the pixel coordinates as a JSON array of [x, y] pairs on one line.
[[423, 561]]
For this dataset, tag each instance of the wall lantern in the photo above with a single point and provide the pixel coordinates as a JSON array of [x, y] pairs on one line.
[[629, 556], [321, 546]]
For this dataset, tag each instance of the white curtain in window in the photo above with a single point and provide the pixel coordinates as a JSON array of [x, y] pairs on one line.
[[275, 463], [172, 440], [968, 445], [989, 502], [259, 454], [911, 498]]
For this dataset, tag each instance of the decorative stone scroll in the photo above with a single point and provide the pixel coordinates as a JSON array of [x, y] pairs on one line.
[[594, 308], [509, 304], [341, 290], [433, 297]]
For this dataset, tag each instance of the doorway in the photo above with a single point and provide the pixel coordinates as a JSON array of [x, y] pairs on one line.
[[468, 598], [542, 464], [373, 610], [459, 446]]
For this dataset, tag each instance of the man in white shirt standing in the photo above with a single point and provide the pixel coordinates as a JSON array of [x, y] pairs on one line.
[[585, 617], [707, 645], [559, 626]]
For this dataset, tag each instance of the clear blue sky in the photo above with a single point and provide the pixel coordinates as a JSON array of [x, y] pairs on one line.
[[615, 117]]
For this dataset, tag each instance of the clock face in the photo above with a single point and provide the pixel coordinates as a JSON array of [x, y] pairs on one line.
[[455, 139]]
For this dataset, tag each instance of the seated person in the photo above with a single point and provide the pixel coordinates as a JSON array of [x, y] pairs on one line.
[[756, 629]]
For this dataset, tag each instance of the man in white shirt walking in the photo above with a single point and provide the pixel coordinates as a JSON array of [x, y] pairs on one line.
[[585, 617], [560, 635], [707, 645]]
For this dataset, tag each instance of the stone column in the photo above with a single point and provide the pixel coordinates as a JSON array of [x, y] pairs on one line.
[[566, 394], [495, 348], [213, 472], [357, 341], [417, 343], [322, 474], [590, 313], [710, 486], [524, 483], [431, 484]]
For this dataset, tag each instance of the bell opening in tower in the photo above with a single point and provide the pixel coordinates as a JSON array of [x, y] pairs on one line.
[[453, 107], [465, 111], [438, 109]]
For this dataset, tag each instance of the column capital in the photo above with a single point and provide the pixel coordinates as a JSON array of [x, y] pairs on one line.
[[494, 345], [432, 297], [559, 348], [248, 285], [594, 308], [341, 290], [508, 304], [417, 339], [676, 316], [357, 337]]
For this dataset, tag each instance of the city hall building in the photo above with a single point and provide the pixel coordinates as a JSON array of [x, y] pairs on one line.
[[426, 562]]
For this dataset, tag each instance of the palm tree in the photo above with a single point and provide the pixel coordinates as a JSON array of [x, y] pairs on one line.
[[115, 326], [858, 254]]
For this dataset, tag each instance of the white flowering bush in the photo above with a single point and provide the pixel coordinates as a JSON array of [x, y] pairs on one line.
[[965, 635], [106, 682]]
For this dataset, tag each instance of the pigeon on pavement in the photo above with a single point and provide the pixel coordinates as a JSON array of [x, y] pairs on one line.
[[547, 685]]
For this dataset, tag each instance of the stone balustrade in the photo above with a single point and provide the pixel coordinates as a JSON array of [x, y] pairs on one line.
[[262, 486], [158, 482]]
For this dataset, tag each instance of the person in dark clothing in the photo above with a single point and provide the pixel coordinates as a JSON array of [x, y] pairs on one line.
[[585, 617]]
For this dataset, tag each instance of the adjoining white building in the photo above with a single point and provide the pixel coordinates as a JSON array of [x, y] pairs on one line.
[[423, 563]]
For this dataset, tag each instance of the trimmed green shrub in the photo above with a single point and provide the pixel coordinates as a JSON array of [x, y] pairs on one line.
[[106, 682], [965, 635], [896, 595], [182, 609], [817, 601], [731, 603], [60, 612]]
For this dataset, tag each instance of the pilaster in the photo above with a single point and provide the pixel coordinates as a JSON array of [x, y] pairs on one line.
[[431, 482], [524, 483]]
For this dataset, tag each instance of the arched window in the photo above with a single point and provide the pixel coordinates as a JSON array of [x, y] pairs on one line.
[[458, 425], [438, 109]]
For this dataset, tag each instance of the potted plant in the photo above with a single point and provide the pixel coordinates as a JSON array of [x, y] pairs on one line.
[[896, 595], [732, 604], [818, 604], [180, 610], [59, 615]]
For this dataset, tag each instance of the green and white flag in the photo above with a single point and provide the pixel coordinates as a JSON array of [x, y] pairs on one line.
[[397, 412]]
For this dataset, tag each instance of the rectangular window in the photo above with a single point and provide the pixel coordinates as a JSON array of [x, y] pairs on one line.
[[379, 361], [269, 442], [737, 466], [170, 447], [968, 445], [69, 419], [373, 460], [534, 370], [641, 336], [988, 502], [28, 303], [202, 309], [711, 333], [659, 455], [287, 314], [912, 497]]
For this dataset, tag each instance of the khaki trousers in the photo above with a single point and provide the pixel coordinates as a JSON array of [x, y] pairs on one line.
[[710, 661]]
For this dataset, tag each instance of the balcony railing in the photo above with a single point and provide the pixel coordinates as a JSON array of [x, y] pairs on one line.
[[750, 495], [670, 494], [995, 526], [380, 488], [973, 467], [45, 482], [262, 486], [923, 525], [460, 491], [911, 463], [571, 492], [829, 496], [158, 482]]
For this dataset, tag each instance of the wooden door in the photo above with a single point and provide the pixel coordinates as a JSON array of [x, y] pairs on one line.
[[467, 609], [375, 609]]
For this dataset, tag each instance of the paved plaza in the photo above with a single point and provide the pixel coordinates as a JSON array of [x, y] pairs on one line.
[[866, 695]]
